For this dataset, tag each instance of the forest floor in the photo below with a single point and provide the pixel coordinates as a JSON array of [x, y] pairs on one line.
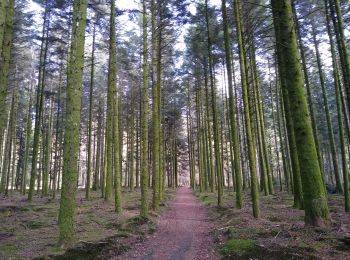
[[280, 232], [183, 232], [29, 230], [184, 229]]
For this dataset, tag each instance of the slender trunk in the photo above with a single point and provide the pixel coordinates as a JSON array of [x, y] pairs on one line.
[[342, 45], [39, 100], [10, 147], [116, 139], [27, 142], [132, 137], [156, 63], [99, 145], [264, 140], [199, 141], [337, 87], [47, 151], [248, 129], [255, 103], [234, 141], [274, 126], [111, 109], [91, 101], [144, 117], [137, 169], [328, 117]]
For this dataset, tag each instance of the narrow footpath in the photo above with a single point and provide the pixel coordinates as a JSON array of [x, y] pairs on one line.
[[182, 233]]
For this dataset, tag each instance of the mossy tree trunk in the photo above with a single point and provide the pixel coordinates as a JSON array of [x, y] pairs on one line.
[[111, 109], [308, 87], [315, 201], [156, 63], [291, 146], [3, 14], [72, 122], [116, 140], [7, 11], [144, 116]]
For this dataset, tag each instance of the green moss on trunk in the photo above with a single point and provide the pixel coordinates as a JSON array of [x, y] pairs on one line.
[[144, 117], [315, 201], [72, 122]]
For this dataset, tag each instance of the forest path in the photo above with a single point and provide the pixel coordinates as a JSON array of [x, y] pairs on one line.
[[182, 233]]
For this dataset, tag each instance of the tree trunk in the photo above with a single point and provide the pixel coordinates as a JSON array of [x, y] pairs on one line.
[[72, 122], [234, 141], [7, 9], [342, 45], [91, 101], [144, 118], [337, 87], [315, 201], [111, 109], [27, 142], [308, 88], [3, 14], [328, 117], [156, 63], [39, 99], [248, 129]]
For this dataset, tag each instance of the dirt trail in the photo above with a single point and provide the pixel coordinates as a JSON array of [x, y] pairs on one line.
[[182, 233]]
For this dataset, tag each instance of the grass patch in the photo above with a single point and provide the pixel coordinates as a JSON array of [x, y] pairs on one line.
[[8, 249], [238, 247]]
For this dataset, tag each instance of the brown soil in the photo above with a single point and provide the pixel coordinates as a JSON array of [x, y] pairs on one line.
[[183, 232]]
